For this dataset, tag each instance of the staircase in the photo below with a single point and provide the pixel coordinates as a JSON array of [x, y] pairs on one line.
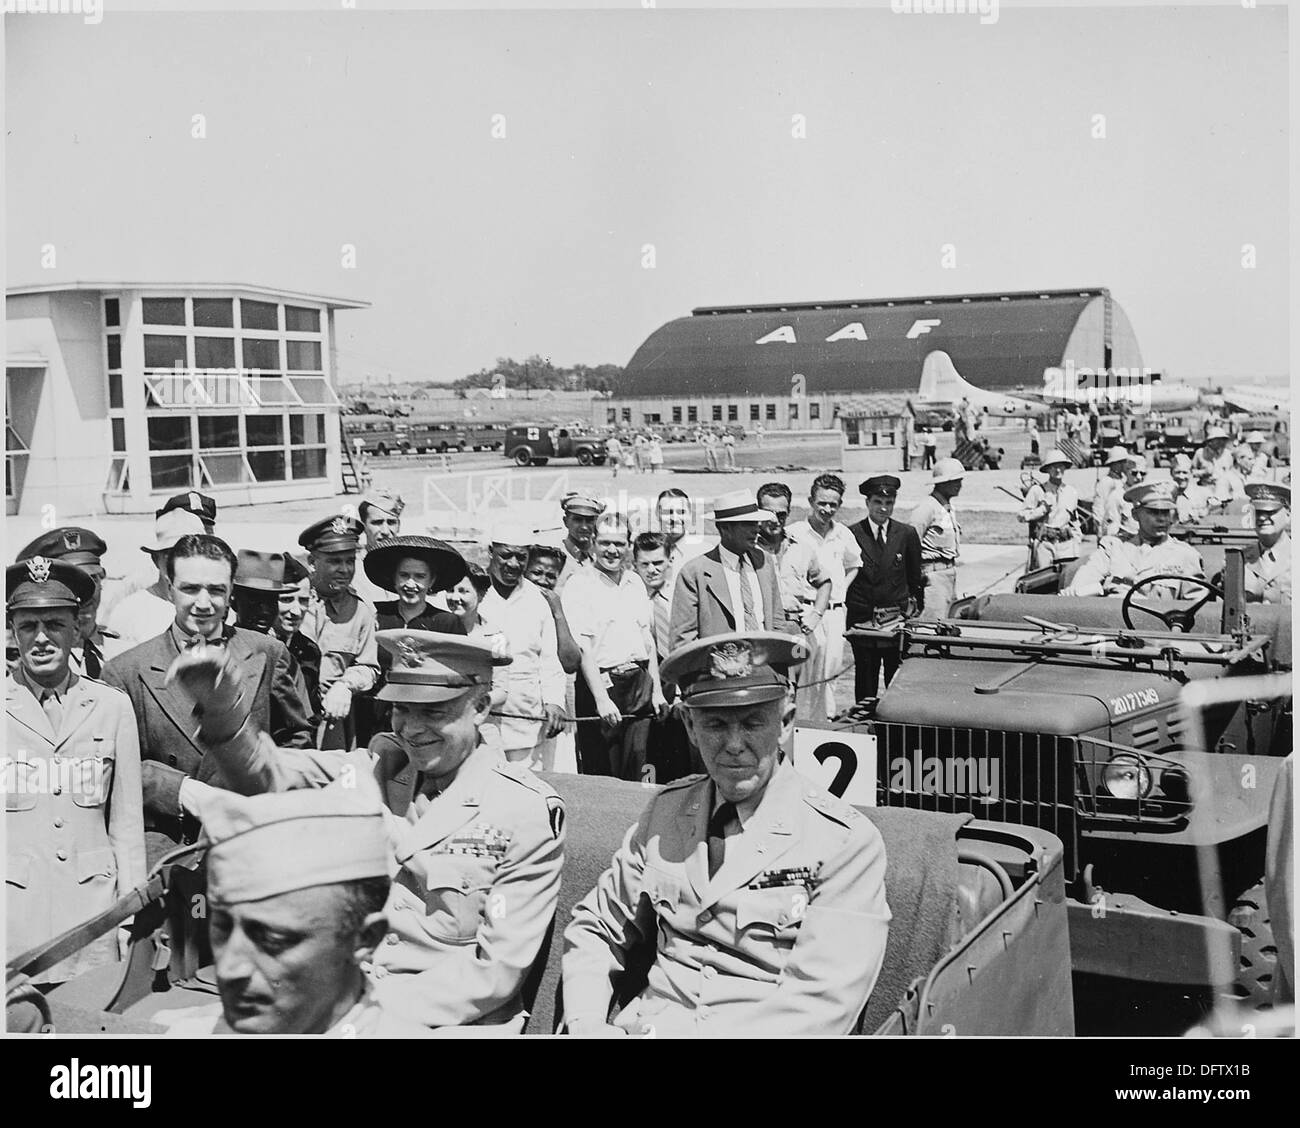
[[352, 483]]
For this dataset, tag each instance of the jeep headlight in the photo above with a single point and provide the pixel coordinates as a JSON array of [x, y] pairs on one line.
[[1126, 778]]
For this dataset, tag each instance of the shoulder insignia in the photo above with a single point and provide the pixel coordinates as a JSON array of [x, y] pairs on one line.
[[555, 811], [685, 781], [519, 774], [834, 809]]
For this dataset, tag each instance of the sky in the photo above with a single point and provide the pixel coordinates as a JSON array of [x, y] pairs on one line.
[[938, 155]]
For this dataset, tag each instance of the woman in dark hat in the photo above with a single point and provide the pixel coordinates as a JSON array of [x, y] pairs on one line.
[[414, 568]]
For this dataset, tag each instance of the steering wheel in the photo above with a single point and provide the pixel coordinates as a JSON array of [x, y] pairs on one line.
[[1179, 619]]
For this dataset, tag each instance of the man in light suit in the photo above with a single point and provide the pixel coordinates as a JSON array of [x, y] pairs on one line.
[[760, 896], [732, 587], [201, 571], [71, 775]]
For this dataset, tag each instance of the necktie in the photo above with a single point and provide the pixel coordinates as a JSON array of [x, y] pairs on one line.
[[880, 537], [91, 659], [718, 825], [747, 598], [53, 709], [661, 609]]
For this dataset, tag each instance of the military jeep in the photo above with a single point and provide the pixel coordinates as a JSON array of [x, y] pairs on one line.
[[1065, 715]]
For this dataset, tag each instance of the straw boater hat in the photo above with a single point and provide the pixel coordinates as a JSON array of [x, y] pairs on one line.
[[447, 565], [739, 505]]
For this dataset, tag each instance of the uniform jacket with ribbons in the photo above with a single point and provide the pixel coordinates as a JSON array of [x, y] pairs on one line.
[[787, 938], [477, 872], [702, 599], [887, 578], [74, 827], [168, 728]]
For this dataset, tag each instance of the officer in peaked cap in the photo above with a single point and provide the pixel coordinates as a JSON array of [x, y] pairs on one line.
[[479, 843], [202, 506], [340, 623], [312, 867], [84, 549], [75, 789], [1268, 566], [765, 894], [1117, 564]]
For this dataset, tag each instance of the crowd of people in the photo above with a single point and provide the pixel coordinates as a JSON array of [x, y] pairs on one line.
[[237, 698]]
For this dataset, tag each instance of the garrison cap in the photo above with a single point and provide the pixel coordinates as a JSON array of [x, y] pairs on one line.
[[169, 527], [202, 506], [264, 845], [1056, 458], [1269, 495], [41, 582], [388, 500], [429, 666], [734, 670], [261, 571], [340, 533], [583, 503], [447, 564], [1151, 495], [882, 485], [71, 544], [295, 571], [1181, 462]]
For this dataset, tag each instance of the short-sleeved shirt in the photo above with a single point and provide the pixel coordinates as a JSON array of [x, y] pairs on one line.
[[611, 618], [344, 629], [936, 525], [838, 550]]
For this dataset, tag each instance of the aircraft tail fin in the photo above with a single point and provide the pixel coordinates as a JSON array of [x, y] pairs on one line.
[[940, 380]]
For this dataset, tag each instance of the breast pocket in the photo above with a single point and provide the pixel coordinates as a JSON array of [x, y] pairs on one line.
[[772, 913], [455, 891], [91, 772], [20, 778], [664, 891]]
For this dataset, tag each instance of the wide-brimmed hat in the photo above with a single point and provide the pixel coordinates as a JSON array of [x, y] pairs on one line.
[[947, 470], [1056, 458], [1216, 433], [1255, 437], [258, 570], [739, 505], [447, 565], [1117, 453]]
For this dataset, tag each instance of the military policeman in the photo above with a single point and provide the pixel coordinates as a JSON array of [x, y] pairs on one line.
[[478, 845], [1268, 566], [296, 890], [761, 896], [84, 549], [936, 525], [74, 820], [1054, 507], [340, 623], [1117, 565]]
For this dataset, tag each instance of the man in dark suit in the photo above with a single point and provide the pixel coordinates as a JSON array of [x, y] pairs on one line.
[[201, 571], [732, 587], [888, 588]]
